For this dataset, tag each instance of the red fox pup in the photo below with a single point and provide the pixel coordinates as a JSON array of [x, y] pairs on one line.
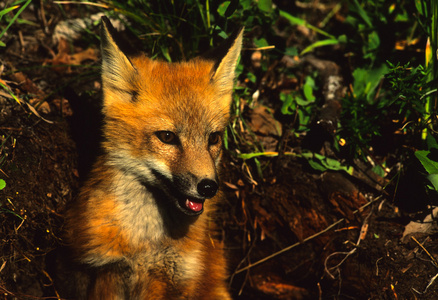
[[140, 225]]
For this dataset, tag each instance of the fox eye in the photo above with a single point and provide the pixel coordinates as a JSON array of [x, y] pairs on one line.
[[214, 138], [167, 137]]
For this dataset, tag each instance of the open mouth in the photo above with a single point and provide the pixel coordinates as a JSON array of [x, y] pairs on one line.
[[191, 206], [176, 193]]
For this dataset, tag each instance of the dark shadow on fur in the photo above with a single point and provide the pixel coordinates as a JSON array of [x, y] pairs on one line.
[[176, 222]]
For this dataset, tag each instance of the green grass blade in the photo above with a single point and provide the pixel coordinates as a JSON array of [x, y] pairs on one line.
[[7, 10], [317, 44], [15, 17], [297, 21]]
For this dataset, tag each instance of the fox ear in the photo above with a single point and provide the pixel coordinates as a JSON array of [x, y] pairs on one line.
[[226, 56], [118, 73]]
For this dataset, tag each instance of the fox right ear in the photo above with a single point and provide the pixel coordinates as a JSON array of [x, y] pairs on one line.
[[225, 57], [118, 73]]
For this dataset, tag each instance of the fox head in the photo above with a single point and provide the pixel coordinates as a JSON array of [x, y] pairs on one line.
[[164, 122]]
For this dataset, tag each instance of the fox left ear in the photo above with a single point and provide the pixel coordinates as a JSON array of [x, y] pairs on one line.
[[118, 73], [226, 56]]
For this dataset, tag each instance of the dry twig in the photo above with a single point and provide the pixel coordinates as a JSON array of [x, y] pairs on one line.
[[304, 240], [434, 262], [362, 235]]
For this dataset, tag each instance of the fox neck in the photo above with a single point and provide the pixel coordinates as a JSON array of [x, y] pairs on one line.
[[147, 210]]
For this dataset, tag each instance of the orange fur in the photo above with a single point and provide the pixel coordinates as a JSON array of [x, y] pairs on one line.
[[140, 224]]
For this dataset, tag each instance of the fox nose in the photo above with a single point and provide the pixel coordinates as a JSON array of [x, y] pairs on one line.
[[207, 188]]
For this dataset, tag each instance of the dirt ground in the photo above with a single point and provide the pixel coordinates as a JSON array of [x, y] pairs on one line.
[[294, 233]]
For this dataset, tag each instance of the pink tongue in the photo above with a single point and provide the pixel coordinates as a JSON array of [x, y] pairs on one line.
[[195, 206]]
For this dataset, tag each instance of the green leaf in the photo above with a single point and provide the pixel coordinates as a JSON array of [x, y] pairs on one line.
[[419, 4], [259, 167], [223, 34], [403, 17], [226, 138], [2, 184], [231, 8], [327, 42], [317, 166], [7, 10], [342, 39], [308, 89], [251, 77], [23, 7], [321, 163], [227, 8], [431, 142], [366, 81], [292, 20], [291, 51], [379, 171], [265, 5], [362, 13], [304, 121], [222, 8], [429, 165], [433, 178], [297, 21], [300, 101], [246, 4], [260, 43], [373, 41], [246, 156], [287, 108], [331, 164], [165, 52]]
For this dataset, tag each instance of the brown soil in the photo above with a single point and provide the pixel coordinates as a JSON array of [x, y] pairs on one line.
[[340, 237]]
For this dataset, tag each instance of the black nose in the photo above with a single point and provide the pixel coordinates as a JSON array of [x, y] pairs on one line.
[[207, 188]]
